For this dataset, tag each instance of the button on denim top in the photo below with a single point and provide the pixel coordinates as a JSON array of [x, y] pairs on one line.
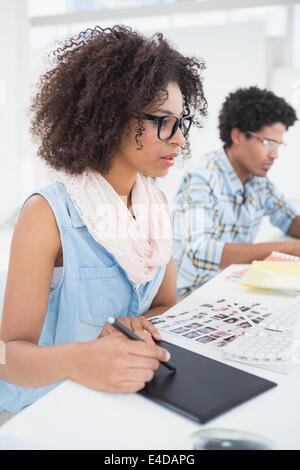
[[92, 287]]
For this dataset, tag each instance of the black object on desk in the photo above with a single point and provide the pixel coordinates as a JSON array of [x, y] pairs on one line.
[[202, 388]]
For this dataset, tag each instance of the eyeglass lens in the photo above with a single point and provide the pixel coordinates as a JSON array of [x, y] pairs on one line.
[[169, 125], [270, 144]]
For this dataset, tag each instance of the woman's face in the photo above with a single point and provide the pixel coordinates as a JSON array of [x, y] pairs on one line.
[[156, 157]]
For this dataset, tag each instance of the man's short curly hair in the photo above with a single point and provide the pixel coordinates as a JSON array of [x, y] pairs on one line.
[[100, 81], [251, 109]]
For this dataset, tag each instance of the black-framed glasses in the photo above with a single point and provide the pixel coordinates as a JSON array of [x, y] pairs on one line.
[[268, 143], [168, 125]]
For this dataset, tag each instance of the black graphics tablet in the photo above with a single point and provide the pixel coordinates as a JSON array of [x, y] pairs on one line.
[[202, 388]]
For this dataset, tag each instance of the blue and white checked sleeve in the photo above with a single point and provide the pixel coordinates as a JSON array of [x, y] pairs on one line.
[[280, 211], [197, 231]]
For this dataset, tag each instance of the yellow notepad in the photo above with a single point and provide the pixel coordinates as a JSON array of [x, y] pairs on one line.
[[273, 275]]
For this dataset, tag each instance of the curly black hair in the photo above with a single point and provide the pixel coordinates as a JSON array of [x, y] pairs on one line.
[[101, 80], [251, 109]]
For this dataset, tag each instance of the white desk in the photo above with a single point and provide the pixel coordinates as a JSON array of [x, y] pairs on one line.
[[74, 417]]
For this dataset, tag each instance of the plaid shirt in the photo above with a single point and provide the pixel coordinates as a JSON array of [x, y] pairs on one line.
[[212, 207]]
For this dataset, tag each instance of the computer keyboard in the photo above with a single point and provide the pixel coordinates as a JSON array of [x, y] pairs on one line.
[[285, 320], [261, 348], [269, 345]]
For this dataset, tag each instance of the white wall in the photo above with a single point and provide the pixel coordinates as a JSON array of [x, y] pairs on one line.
[[235, 56], [9, 103], [13, 48], [286, 171]]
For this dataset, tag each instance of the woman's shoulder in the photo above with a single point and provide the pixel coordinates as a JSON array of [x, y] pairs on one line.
[[36, 207], [37, 222], [36, 240], [50, 200]]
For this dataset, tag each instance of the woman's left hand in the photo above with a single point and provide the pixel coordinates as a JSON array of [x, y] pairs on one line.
[[139, 325]]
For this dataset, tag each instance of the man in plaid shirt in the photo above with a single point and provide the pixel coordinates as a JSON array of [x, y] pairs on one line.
[[221, 201]]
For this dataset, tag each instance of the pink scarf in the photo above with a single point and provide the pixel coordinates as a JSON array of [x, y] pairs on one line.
[[141, 243]]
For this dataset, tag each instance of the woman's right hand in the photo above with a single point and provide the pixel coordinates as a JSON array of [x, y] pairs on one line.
[[115, 363], [139, 325]]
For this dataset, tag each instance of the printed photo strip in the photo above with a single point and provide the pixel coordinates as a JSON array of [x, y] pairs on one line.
[[216, 323]]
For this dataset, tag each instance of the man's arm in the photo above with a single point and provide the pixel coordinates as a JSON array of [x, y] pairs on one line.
[[294, 230], [245, 253], [281, 212]]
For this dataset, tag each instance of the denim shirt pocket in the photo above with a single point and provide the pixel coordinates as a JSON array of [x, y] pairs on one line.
[[103, 293]]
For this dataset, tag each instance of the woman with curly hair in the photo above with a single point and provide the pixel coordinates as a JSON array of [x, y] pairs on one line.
[[114, 109]]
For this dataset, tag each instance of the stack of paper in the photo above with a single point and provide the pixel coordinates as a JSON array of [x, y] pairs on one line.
[[277, 271], [276, 256]]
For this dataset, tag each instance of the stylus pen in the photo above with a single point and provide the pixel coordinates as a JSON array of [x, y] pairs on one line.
[[131, 335]]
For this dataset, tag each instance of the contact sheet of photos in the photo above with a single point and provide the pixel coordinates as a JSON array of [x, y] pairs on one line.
[[214, 323]]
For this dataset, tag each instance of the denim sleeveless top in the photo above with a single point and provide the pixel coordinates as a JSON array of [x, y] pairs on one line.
[[92, 287]]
